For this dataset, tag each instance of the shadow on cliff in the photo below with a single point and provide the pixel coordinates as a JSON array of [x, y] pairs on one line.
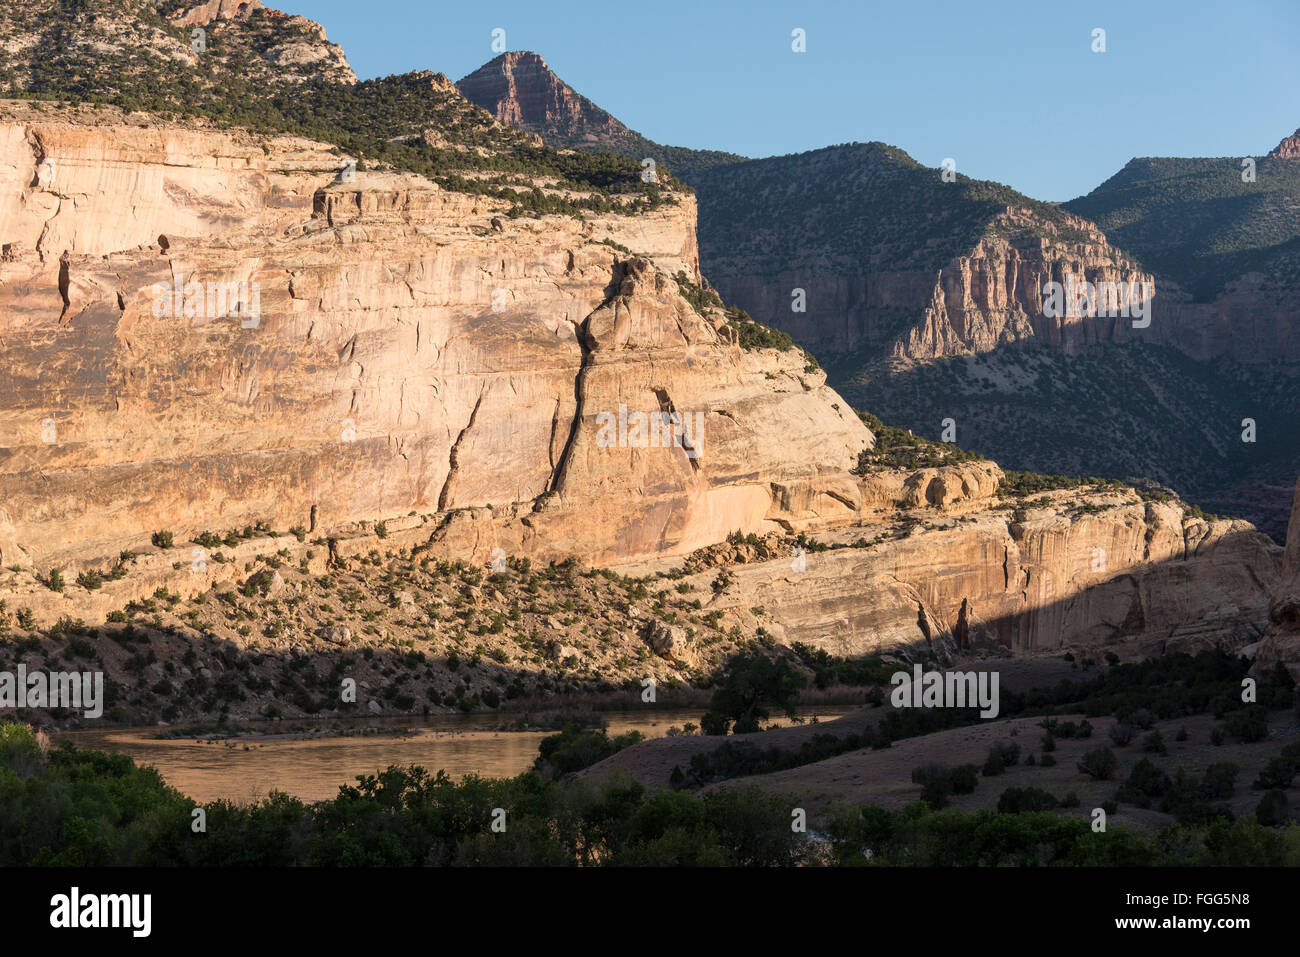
[[185, 678], [1220, 595], [1129, 412]]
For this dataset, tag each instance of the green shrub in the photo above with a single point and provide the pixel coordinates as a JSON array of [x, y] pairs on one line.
[[1099, 764], [1273, 809], [576, 748], [1247, 724], [1219, 780], [1277, 774], [1153, 743], [936, 783], [1002, 755], [1145, 783]]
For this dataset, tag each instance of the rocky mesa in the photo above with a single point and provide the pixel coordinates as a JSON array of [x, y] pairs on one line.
[[410, 349], [496, 384]]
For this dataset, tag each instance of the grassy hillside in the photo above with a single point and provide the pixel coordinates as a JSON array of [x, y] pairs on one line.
[[1115, 412], [1197, 222], [849, 205]]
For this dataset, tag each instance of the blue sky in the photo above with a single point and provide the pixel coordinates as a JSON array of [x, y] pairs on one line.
[[1011, 90]]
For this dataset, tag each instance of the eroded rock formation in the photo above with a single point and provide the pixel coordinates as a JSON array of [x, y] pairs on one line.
[[412, 349], [1139, 577], [415, 355], [519, 89]]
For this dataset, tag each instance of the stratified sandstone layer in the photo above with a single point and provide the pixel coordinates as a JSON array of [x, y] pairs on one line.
[[417, 356], [936, 565], [413, 350]]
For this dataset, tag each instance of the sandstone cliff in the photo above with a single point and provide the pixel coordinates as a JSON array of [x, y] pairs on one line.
[[413, 350], [956, 570], [418, 357], [1289, 148]]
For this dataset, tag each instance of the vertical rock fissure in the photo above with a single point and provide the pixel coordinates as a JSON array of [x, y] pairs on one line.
[[65, 284], [579, 403], [453, 457], [583, 335], [666, 407]]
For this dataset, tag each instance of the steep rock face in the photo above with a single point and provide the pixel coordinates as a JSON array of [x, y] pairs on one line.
[[893, 261], [996, 296], [519, 89], [81, 189], [416, 351], [1252, 320], [204, 13], [1133, 576], [991, 296], [411, 350]]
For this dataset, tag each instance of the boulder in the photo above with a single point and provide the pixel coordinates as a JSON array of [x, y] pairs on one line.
[[670, 642], [336, 634], [268, 582]]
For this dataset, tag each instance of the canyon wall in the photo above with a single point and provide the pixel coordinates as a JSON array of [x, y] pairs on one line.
[[989, 296], [416, 356], [412, 350], [1079, 571]]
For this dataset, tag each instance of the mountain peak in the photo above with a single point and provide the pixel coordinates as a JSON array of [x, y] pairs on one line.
[[520, 90], [527, 57], [1289, 148]]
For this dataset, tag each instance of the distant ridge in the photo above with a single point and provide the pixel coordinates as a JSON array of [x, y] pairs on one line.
[[519, 89]]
